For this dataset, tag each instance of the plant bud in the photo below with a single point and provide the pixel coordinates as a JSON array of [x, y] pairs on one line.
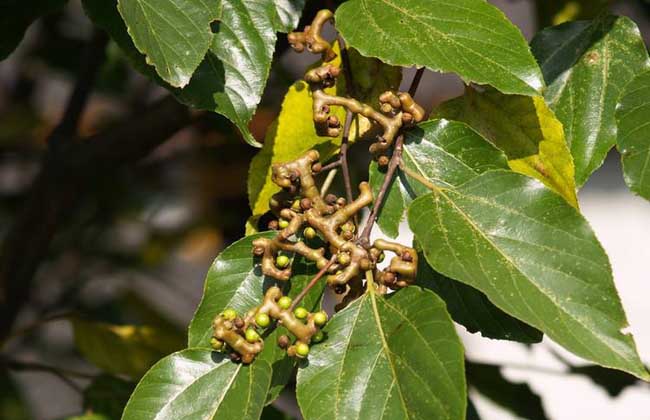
[[284, 342]]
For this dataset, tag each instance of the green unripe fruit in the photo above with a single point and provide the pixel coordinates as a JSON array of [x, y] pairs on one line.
[[229, 314], [252, 336], [381, 257], [284, 302], [283, 224], [296, 205], [262, 320], [216, 344], [320, 318], [282, 261], [318, 337], [309, 233], [300, 312], [343, 258], [302, 349]]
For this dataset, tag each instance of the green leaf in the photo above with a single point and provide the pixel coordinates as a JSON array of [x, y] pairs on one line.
[[107, 395], [534, 256], [235, 281], [634, 134], [15, 18], [472, 309], [517, 398], [586, 66], [392, 357], [122, 349], [525, 129], [469, 37], [293, 132], [443, 152], [173, 34], [200, 384], [231, 78], [288, 12]]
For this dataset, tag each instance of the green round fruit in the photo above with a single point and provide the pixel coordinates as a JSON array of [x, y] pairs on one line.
[[318, 337], [262, 320], [229, 314], [252, 336], [216, 344], [320, 318], [302, 349], [282, 261], [283, 224], [300, 312], [310, 233], [284, 302], [343, 258], [296, 205]]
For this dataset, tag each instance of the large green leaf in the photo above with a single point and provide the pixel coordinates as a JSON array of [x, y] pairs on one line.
[[586, 65], [394, 357], [173, 34], [235, 281], [469, 37], [472, 309], [634, 134], [15, 18], [517, 398], [123, 349], [200, 384], [525, 129], [443, 152], [231, 78], [534, 256]]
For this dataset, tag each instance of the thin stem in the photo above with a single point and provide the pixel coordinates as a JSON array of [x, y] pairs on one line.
[[331, 165], [395, 160], [370, 281], [411, 173], [344, 156], [416, 81], [328, 182], [312, 283]]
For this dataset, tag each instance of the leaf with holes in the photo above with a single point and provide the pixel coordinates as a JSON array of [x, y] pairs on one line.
[[393, 357], [469, 37], [634, 134], [444, 152], [200, 384], [586, 66], [525, 129], [534, 256]]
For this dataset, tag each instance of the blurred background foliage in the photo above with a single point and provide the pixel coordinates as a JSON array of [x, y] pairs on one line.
[[124, 271]]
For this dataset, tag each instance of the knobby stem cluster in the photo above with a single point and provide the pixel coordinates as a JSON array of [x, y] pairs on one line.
[[322, 227]]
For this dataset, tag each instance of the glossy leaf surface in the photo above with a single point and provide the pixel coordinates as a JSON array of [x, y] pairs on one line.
[[200, 384], [444, 152], [469, 37], [525, 129], [394, 357], [534, 256], [633, 119], [586, 66]]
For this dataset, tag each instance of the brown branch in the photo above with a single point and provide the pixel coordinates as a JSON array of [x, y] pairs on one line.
[[395, 160], [312, 283], [67, 173], [416, 81]]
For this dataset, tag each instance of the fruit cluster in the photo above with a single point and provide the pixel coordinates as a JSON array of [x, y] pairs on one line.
[[242, 336]]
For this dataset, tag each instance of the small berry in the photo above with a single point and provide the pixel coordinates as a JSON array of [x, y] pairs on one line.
[[283, 224], [300, 312], [309, 232], [216, 344], [381, 257], [343, 258], [283, 341], [305, 204], [229, 314], [330, 199], [282, 261], [284, 302], [262, 320], [348, 227], [239, 323], [252, 336], [406, 256], [318, 337], [320, 318], [295, 206], [302, 349]]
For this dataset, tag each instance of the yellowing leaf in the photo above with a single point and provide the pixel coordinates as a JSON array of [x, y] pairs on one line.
[[123, 349], [293, 132], [525, 129]]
